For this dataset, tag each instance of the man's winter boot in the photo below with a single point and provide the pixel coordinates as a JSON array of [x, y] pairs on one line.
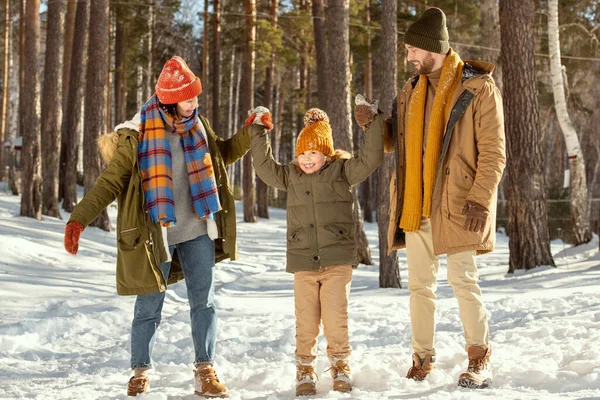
[[479, 372], [306, 378], [139, 383], [207, 384], [340, 372], [421, 367]]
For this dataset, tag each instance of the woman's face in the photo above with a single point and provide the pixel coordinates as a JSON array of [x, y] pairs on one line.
[[186, 108], [311, 161]]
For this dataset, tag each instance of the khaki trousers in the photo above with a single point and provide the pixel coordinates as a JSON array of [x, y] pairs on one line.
[[322, 296], [422, 282]]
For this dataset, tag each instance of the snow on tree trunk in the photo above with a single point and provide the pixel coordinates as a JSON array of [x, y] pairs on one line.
[[580, 213]]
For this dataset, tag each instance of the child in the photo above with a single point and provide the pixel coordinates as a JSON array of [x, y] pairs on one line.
[[321, 249]]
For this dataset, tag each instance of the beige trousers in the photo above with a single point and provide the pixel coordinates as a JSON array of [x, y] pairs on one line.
[[422, 282], [322, 296]]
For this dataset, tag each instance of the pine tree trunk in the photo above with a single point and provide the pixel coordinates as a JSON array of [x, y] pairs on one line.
[[529, 242], [205, 59], [72, 121], [247, 103], [580, 213], [318, 13], [52, 107], [67, 53], [31, 197], [216, 68], [339, 108], [5, 63], [389, 273], [366, 185], [120, 86], [21, 64], [96, 92]]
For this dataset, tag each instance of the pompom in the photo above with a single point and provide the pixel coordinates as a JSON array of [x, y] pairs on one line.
[[315, 115]]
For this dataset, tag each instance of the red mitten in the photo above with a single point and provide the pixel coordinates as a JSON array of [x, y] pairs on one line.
[[266, 121], [72, 232], [250, 120]]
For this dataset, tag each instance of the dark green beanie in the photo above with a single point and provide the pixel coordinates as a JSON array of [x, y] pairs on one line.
[[429, 32]]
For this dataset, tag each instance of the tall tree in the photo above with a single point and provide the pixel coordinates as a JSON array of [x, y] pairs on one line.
[[262, 190], [205, 58], [21, 62], [72, 119], [318, 14], [5, 63], [529, 242], [31, 199], [247, 103], [338, 106], [580, 212], [96, 92], [52, 106], [368, 76], [216, 68], [120, 79], [389, 273]]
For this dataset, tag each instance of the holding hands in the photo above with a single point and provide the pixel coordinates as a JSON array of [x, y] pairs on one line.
[[365, 110], [260, 116]]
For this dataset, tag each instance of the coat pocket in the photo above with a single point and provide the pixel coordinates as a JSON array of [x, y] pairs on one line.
[[129, 239], [337, 233], [460, 181], [298, 239]]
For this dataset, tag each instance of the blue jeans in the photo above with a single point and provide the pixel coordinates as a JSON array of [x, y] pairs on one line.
[[197, 259]]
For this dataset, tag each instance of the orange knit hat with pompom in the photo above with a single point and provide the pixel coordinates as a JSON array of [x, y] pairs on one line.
[[316, 135], [177, 82]]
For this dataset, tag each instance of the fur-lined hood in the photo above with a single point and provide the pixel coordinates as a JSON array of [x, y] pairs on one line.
[[337, 155], [107, 144]]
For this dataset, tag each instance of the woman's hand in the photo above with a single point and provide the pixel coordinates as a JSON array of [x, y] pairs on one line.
[[260, 116]]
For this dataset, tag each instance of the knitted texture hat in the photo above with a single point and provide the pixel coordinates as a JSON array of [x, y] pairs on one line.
[[177, 82], [316, 135], [429, 32]]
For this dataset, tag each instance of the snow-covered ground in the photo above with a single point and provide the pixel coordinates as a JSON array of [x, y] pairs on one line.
[[64, 331]]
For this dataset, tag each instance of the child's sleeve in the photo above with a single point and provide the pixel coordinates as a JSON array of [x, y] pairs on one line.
[[270, 171], [370, 154]]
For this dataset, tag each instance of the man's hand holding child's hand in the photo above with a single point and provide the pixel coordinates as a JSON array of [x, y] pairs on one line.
[[365, 110]]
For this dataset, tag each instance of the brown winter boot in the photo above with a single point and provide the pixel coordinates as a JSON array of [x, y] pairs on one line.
[[306, 379], [207, 384], [421, 367], [137, 385], [340, 372], [479, 372]]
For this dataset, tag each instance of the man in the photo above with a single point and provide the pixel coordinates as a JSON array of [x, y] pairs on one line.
[[448, 137]]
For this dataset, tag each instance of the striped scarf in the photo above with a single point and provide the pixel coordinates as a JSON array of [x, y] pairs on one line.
[[420, 179], [154, 156]]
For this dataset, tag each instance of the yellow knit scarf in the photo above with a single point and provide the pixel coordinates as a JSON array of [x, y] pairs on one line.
[[419, 180]]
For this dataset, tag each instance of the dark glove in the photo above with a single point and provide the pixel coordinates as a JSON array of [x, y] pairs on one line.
[[72, 232], [259, 116], [365, 110], [477, 216]]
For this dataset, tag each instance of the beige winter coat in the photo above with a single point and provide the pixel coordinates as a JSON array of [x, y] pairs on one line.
[[470, 170]]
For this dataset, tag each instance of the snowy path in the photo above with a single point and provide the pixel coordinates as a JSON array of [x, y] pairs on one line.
[[64, 331]]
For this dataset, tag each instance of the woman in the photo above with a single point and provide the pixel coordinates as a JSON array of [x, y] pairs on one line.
[[175, 201]]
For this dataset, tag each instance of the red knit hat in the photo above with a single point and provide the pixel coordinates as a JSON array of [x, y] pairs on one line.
[[177, 82]]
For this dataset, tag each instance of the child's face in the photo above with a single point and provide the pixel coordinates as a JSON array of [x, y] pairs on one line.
[[186, 108], [311, 161]]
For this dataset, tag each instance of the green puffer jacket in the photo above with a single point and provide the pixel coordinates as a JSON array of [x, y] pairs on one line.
[[320, 226], [140, 246]]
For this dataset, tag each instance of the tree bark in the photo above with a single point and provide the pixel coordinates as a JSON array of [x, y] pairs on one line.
[[216, 68], [21, 63], [96, 92], [120, 85], [5, 63], [247, 103], [205, 59], [318, 13], [52, 107], [31, 198], [580, 212], [389, 273], [72, 120], [529, 242], [366, 185]]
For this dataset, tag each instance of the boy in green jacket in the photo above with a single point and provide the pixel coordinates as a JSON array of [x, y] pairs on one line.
[[321, 249]]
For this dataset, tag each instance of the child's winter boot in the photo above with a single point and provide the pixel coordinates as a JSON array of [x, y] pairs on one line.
[[207, 384], [421, 367], [479, 372], [340, 372], [306, 378]]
